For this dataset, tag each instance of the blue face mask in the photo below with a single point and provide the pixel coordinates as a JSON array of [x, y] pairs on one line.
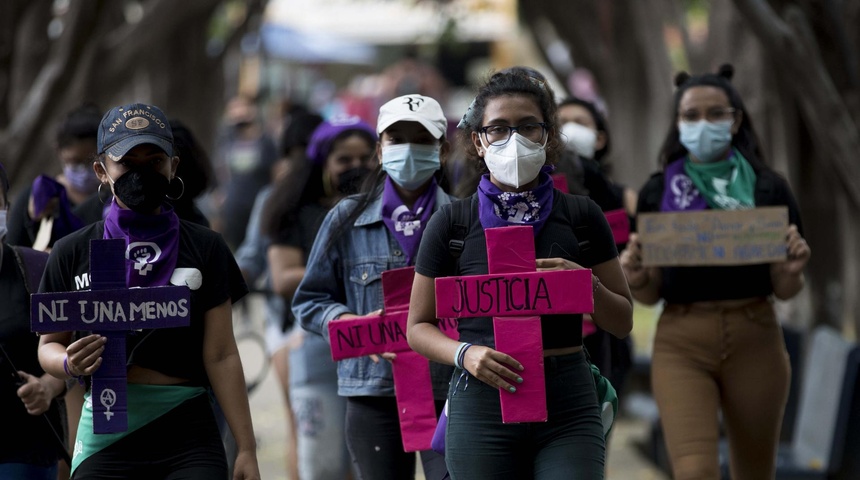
[[410, 165], [705, 140]]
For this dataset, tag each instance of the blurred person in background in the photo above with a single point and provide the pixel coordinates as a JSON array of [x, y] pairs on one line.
[[280, 331], [32, 422], [55, 198], [246, 156], [585, 133], [340, 156], [363, 236]]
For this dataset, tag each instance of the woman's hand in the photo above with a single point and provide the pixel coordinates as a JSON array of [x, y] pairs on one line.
[[85, 355], [549, 264], [493, 367], [246, 467], [631, 262], [35, 394], [798, 252]]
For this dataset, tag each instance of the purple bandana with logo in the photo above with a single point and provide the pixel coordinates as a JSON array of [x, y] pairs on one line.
[[407, 225], [679, 193], [153, 243], [497, 208]]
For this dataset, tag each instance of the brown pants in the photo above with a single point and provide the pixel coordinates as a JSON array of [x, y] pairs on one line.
[[709, 358]]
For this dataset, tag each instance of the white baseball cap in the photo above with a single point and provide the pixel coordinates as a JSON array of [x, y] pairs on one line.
[[413, 108]]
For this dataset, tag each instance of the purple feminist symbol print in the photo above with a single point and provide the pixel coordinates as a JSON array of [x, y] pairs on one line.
[[110, 309]]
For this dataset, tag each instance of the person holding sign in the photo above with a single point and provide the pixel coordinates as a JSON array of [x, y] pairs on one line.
[[32, 423], [512, 132], [718, 346], [171, 427], [363, 236]]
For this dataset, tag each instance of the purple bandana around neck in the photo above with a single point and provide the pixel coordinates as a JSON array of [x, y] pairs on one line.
[[679, 193], [407, 225], [501, 209], [153, 243]]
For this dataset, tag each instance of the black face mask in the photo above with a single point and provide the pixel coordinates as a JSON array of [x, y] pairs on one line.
[[349, 182], [141, 190]]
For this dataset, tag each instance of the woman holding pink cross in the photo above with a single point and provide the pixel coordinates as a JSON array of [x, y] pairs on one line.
[[512, 130]]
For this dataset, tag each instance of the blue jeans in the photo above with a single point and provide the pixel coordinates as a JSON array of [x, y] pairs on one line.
[[569, 445], [320, 415], [25, 471]]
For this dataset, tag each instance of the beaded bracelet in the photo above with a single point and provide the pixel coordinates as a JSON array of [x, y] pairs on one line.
[[79, 378]]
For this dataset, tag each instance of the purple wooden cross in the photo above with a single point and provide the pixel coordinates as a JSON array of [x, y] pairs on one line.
[[515, 295], [110, 309], [413, 389]]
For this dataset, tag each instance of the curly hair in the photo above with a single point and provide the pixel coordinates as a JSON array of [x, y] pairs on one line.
[[509, 82]]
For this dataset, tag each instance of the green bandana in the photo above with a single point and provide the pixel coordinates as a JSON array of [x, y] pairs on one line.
[[726, 184]]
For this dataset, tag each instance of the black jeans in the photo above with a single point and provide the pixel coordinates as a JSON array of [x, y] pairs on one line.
[[376, 447], [569, 445]]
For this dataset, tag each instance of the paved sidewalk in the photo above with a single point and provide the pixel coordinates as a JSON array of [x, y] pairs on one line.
[[625, 462]]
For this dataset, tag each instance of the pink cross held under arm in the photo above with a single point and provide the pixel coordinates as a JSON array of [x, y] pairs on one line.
[[413, 389]]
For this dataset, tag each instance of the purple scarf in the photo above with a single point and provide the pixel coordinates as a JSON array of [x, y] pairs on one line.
[[500, 209], [406, 225], [153, 243], [679, 193]]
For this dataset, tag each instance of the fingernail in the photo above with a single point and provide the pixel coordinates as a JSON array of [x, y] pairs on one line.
[[522, 368], [512, 389], [520, 379]]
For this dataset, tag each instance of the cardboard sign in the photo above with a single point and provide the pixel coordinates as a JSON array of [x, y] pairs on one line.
[[413, 389], [110, 310], [515, 305], [714, 237], [620, 225]]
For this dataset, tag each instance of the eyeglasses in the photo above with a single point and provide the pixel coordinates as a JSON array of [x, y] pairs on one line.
[[498, 135], [711, 115]]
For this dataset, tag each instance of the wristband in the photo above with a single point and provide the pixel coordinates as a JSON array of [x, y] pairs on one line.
[[462, 356], [79, 378], [596, 284]]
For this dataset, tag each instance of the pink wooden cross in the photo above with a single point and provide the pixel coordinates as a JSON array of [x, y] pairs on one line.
[[358, 337], [515, 295]]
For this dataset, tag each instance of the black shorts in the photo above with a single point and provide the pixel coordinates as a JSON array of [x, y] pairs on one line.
[[183, 443]]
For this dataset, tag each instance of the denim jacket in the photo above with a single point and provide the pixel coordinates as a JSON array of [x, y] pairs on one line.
[[347, 278]]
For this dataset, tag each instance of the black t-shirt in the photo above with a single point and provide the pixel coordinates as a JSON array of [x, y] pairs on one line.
[[173, 351], [303, 231], [698, 284], [26, 438], [556, 239]]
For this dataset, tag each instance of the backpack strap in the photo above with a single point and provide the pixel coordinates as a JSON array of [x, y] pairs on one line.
[[32, 264], [461, 221], [576, 209]]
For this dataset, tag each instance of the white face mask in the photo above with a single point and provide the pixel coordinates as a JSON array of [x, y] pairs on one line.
[[579, 139], [515, 163], [3, 224]]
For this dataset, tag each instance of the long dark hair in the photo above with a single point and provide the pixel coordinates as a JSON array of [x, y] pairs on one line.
[[302, 186], [81, 123], [745, 140], [512, 81]]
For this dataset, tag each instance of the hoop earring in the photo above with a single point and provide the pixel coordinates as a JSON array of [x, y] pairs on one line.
[[99, 193], [180, 193]]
